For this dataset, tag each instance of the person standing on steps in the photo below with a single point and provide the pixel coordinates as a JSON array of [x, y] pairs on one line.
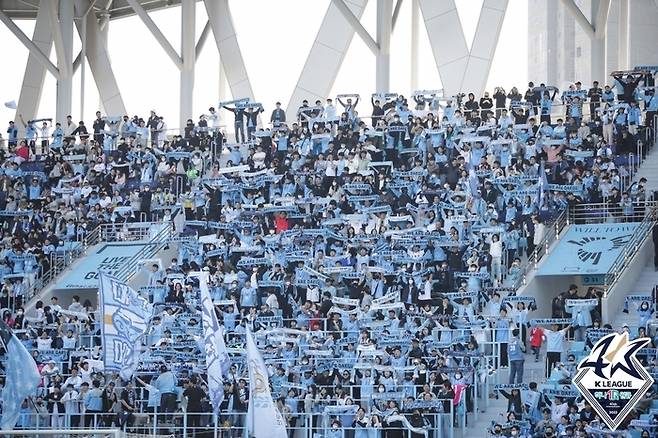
[[516, 354]]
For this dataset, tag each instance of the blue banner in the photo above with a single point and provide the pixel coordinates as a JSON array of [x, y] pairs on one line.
[[109, 258], [588, 249]]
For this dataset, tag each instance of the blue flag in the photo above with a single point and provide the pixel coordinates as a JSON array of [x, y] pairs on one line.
[[543, 183], [22, 377], [217, 359], [125, 315]]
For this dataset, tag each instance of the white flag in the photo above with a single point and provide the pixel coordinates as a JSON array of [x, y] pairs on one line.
[[11, 104], [217, 359], [125, 316], [263, 418]]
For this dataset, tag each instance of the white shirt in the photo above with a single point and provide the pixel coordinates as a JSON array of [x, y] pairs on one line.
[[273, 302], [44, 344], [426, 293], [313, 294], [540, 229], [496, 249], [75, 381], [70, 400]]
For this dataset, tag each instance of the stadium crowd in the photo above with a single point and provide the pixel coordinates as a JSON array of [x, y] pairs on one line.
[[376, 257]]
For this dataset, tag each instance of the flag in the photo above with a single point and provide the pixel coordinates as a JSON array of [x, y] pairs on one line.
[[11, 104], [263, 418], [125, 316], [21, 379], [473, 182], [217, 359], [543, 183]]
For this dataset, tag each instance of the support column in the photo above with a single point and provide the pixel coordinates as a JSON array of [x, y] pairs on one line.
[[99, 62], [623, 48], [83, 69], [462, 69], [222, 82], [35, 71], [230, 55], [326, 55], [188, 51], [383, 58], [65, 65], [600, 12], [415, 11], [598, 60]]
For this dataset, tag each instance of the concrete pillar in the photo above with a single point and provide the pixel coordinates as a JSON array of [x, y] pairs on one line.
[[415, 19], [383, 58], [65, 65], [623, 49], [35, 71], [188, 42], [96, 53]]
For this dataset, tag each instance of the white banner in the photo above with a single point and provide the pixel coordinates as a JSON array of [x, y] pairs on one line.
[[125, 315], [263, 418]]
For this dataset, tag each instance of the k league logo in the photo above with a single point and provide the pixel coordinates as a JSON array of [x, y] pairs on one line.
[[611, 378]]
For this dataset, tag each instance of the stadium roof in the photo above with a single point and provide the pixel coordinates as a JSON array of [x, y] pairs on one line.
[[27, 9]]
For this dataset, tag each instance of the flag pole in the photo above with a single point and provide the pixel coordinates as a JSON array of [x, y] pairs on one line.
[[252, 426]]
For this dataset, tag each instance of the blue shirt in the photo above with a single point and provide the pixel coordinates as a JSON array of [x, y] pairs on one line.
[[515, 349], [166, 383], [13, 133]]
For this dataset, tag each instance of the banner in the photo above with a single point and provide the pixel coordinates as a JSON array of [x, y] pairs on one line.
[[125, 316], [588, 249], [217, 360], [21, 377], [550, 321], [263, 418]]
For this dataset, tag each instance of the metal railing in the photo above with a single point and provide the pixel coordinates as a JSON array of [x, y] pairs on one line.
[[230, 424], [600, 212], [640, 235], [552, 234], [156, 243], [59, 262]]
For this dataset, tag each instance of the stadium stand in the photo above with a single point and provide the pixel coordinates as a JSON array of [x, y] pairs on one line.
[[376, 259]]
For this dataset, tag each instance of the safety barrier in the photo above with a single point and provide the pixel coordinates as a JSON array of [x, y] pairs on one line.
[[441, 424], [594, 213], [159, 238], [552, 234], [640, 235]]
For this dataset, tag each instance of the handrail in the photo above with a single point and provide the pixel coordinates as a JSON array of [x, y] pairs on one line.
[[155, 244], [640, 235], [552, 234], [606, 212], [59, 262]]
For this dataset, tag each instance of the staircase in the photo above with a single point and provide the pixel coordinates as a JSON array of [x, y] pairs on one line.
[[646, 281], [649, 170], [497, 409]]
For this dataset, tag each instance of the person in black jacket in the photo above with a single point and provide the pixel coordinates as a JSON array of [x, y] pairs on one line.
[[238, 123], [56, 407], [471, 107], [628, 84], [146, 197], [377, 111], [514, 402], [99, 126]]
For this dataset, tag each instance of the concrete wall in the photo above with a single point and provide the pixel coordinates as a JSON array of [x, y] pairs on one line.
[[544, 289]]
